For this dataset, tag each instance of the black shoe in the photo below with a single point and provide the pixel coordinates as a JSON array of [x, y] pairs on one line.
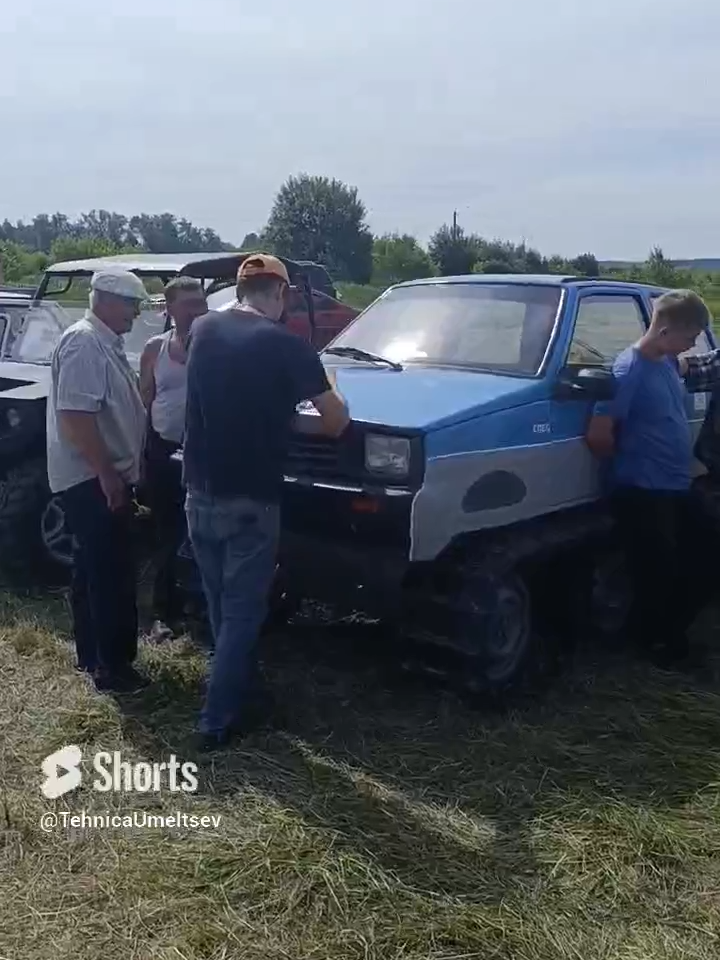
[[124, 680]]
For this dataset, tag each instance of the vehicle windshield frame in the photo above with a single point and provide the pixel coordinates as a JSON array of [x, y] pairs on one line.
[[472, 367], [11, 339], [76, 309]]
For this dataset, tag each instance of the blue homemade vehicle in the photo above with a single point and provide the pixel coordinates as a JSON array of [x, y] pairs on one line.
[[462, 504]]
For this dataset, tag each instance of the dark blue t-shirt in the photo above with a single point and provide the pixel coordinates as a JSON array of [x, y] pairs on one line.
[[245, 377], [654, 439]]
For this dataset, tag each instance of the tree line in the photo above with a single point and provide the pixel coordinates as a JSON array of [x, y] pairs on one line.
[[312, 218]]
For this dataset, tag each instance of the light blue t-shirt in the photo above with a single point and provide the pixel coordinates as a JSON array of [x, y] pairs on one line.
[[654, 439]]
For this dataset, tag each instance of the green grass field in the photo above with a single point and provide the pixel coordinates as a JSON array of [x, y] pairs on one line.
[[358, 296], [391, 821]]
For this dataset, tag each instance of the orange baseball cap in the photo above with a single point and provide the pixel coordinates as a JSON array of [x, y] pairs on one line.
[[262, 264]]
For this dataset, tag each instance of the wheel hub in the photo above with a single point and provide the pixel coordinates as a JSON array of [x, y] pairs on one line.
[[56, 538], [501, 625]]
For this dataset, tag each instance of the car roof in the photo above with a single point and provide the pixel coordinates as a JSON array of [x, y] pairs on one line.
[[200, 265], [544, 279], [314, 264]]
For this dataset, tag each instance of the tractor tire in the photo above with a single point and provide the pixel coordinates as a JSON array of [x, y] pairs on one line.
[[24, 500]]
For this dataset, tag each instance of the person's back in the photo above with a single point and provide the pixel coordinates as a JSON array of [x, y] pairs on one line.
[[246, 375]]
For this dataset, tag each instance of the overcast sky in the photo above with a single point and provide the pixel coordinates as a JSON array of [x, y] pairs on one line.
[[577, 126]]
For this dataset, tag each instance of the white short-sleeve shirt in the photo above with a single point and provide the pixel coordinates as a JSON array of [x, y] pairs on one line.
[[90, 372]]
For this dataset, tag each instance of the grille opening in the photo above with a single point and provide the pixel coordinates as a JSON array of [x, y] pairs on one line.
[[315, 457]]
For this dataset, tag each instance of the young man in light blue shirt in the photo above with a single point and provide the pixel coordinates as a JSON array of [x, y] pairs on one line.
[[645, 435]]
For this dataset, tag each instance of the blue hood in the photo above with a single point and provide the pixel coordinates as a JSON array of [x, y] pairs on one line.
[[421, 397]]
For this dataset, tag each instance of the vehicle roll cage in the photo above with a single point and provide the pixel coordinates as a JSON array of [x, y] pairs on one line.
[[217, 271]]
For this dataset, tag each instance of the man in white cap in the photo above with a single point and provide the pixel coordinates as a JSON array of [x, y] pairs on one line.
[[95, 434]]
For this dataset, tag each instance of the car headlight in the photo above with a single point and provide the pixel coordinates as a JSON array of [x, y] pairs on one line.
[[389, 456]]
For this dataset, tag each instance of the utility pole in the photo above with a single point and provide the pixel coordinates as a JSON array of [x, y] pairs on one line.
[[455, 225]]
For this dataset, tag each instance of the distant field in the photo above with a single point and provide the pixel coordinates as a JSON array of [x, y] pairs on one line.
[[357, 295]]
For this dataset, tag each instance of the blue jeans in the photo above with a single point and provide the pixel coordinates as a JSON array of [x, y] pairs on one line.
[[235, 545]]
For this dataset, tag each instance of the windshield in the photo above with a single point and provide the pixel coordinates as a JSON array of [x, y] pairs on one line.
[[504, 328], [30, 333]]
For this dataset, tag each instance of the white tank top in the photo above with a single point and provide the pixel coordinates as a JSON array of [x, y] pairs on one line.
[[168, 407]]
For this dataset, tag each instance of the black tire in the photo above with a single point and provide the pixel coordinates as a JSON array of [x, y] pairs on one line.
[[602, 594], [499, 627], [25, 504]]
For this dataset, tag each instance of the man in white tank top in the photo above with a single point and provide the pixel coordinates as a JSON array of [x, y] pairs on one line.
[[163, 386]]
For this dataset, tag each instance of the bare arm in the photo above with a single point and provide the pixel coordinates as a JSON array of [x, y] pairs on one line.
[[81, 430], [333, 409], [81, 389], [608, 416], [333, 420], [147, 370], [318, 385], [600, 436]]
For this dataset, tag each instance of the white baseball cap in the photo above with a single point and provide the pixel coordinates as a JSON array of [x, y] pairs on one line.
[[122, 283]]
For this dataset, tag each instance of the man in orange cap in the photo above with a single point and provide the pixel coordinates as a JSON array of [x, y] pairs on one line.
[[246, 375]]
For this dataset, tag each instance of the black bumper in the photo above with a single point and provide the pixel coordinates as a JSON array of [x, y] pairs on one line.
[[346, 545]]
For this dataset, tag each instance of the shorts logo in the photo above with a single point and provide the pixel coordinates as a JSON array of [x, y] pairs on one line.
[[62, 771]]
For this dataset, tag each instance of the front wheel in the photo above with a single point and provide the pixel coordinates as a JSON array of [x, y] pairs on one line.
[[57, 540], [33, 534], [496, 623]]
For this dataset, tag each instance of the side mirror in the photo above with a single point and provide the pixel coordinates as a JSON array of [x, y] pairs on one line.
[[585, 383]]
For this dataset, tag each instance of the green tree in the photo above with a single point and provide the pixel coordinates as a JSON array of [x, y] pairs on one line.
[[156, 233], [493, 266], [531, 260], [658, 269], [83, 249], [399, 257], [251, 242], [558, 264], [586, 265], [105, 225], [20, 265], [452, 252], [165, 233], [315, 218]]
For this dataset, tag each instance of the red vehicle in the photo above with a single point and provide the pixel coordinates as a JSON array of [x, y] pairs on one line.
[[311, 313], [328, 316]]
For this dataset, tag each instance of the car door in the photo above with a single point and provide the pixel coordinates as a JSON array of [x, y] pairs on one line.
[[605, 322], [331, 317], [296, 314]]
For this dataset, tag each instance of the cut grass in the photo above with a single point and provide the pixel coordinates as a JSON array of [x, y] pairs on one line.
[[391, 821]]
